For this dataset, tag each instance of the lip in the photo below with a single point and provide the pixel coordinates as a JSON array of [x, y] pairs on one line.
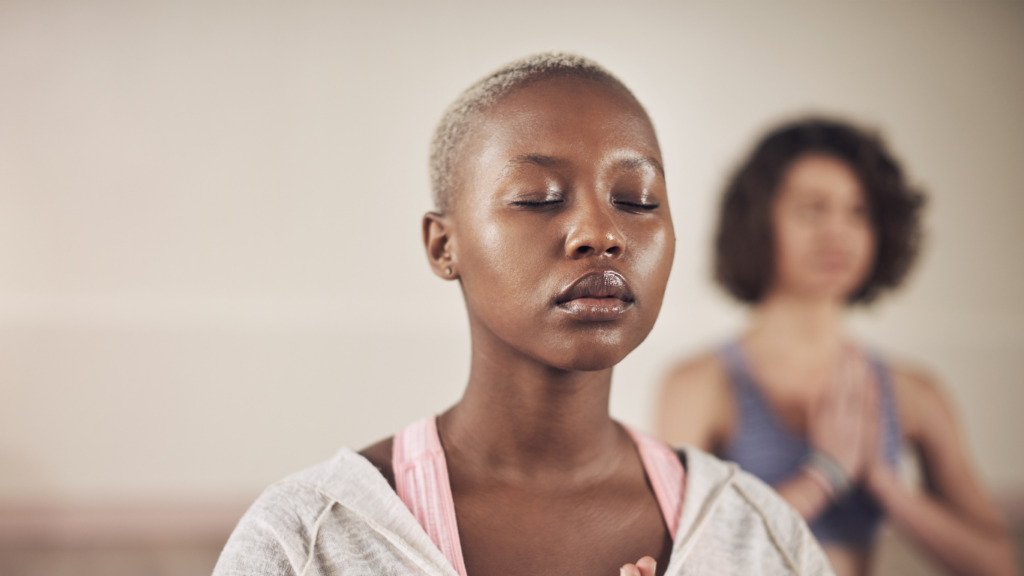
[[833, 262], [599, 296]]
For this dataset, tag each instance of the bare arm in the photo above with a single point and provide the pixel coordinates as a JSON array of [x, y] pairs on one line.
[[955, 520]]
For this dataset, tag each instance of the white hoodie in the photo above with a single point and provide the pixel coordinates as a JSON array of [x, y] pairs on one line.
[[342, 518]]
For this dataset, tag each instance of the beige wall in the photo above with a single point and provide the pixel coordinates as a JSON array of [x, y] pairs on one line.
[[210, 270]]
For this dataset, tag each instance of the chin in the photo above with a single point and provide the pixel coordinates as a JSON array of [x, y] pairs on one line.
[[588, 356], [829, 287], [591, 363]]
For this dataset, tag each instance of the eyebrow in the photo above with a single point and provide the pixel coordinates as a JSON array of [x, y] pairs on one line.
[[551, 162], [644, 161], [535, 159]]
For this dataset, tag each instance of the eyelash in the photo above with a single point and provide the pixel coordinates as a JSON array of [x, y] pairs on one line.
[[535, 203], [646, 207], [543, 203]]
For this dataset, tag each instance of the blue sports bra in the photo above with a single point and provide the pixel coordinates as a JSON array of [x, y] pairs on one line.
[[763, 446]]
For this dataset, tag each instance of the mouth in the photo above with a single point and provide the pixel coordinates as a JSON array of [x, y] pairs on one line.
[[599, 296], [833, 262]]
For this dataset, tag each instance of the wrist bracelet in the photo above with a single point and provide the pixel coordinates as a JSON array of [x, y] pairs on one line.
[[828, 467], [822, 481]]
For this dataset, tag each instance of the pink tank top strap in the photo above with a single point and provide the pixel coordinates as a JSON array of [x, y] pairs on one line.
[[666, 474], [421, 480]]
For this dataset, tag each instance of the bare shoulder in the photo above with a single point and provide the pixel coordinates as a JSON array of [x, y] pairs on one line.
[[920, 398], [913, 375], [694, 402], [379, 455], [701, 373]]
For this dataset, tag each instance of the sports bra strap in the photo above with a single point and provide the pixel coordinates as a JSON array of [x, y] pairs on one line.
[[665, 472], [421, 480]]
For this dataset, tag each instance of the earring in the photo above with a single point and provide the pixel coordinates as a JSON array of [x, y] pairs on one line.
[[448, 271]]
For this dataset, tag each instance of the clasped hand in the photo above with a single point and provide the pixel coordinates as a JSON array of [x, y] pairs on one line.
[[845, 422]]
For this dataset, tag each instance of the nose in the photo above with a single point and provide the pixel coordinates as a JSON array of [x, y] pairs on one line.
[[594, 232], [840, 225]]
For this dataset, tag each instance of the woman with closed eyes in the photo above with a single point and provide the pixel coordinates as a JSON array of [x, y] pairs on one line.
[[552, 216]]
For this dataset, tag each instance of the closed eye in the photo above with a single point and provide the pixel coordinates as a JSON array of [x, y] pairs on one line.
[[535, 203], [637, 205]]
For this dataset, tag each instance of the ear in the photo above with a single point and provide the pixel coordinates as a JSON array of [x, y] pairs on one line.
[[439, 244]]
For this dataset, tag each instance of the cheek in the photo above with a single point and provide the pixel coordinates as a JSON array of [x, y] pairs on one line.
[[655, 250], [499, 261], [793, 244], [864, 247]]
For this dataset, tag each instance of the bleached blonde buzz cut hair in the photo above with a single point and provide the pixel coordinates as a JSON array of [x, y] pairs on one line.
[[455, 123]]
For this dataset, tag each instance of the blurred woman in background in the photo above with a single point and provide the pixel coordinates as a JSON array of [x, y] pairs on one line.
[[817, 219]]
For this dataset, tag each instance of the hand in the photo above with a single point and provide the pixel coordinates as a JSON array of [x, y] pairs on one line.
[[878, 474], [839, 424], [645, 566]]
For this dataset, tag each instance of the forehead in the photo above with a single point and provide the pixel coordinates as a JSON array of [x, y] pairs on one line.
[[822, 175], [576, 119]]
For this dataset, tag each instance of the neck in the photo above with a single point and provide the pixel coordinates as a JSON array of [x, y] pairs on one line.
[[520, 414], [787, 322]]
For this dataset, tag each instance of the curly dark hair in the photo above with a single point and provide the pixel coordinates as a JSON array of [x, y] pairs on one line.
[[744, 244]]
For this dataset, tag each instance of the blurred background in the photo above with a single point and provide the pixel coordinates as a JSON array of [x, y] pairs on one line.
[[211, 272]]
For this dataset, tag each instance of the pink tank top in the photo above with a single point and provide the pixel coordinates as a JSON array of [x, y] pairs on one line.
[[421, 480]]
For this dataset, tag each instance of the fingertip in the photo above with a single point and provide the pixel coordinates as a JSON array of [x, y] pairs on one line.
[[647, 566]]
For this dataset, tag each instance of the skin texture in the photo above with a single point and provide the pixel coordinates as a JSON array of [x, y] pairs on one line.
[[817, 382], [559, 179]]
